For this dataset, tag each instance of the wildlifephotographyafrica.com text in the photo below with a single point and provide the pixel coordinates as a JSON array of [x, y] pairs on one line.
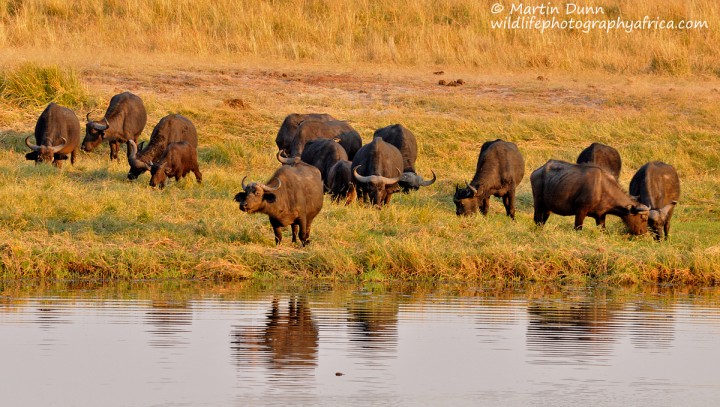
[[583, 18]]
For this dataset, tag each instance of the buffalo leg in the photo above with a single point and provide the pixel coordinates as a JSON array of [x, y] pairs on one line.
[[485, 205], [277, 228], [198, 174], [114, 147], [294, 227], [600, 221], [509, 202], [541, 215], [72, 156], [666, 228], [305, 234], [579, 219]]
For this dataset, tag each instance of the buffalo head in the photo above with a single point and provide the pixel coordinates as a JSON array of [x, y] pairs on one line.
[[657, 218], [378, 188], [137, 166], [43, 154], [413, 181], [94, 133], [467, 200], [635, 217], [159, 173], [255, 195]]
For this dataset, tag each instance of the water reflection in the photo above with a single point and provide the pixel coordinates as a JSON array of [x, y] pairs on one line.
[[372, 322], [571, 330], [242, 344], [169, 322], [288, 338]]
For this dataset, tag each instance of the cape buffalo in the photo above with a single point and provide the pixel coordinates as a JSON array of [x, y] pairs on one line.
[[289, 128], [404, 140], [57, 134], [170, 129], [657, 185], [340, 183], [323, 154], [344, 134], [500, 168], [178, 159], [603, 156], [584, 190], [124, 120], [295, 198], [380, 163]]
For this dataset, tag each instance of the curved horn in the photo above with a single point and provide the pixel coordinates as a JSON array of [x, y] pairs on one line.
[[56, 149], [87, 117], [33, 147], [287, 160], [132, 149], [361, 178], [475, 191], [425, 183], [388, 181], [242, 183], [269, 189], [132, 156], [100, 127]]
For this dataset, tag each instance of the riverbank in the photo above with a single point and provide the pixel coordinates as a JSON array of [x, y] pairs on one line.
[[89, 222]]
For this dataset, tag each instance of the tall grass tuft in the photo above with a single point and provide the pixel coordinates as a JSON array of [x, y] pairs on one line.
[[32, 85]]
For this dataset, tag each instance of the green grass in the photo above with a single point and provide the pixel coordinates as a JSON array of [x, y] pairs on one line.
[[89, 222], [32, 85]]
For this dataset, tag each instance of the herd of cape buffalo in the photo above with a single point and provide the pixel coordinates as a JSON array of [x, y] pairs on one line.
[[320, 154]]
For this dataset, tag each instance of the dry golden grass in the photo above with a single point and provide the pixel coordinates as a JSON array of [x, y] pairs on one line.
[[454, 33]]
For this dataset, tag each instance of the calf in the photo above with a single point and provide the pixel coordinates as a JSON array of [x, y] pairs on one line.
[[178, 159]]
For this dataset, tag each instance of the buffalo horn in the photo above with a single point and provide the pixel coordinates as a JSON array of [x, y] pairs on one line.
[[132, 157], [361, 178], [33, 147], [425, 183], [475, 191], [269, 189], [56, 149], [243, 182], [287, 160]]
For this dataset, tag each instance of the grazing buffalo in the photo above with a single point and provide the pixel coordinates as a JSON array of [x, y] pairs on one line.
[[380, 163], [294, 200], [584, 190], [657, 185], [340, 183], [57, 134], [178, 159], [405, 141], [323, 154], [124, 120], [500, 168], [342, 132], [288, 129], [170, 129], [603, 156]]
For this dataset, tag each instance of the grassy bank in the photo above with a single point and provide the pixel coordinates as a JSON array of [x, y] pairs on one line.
[[402, 32], [87, 221]]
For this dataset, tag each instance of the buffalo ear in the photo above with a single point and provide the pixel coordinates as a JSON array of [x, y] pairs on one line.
[[32, 156], [270, 198], [240, 196]]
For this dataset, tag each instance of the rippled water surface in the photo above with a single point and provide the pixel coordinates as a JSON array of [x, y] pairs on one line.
[[191, 344]]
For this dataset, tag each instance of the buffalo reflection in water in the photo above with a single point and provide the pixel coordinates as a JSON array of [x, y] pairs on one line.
[[571, 330], [289, 338]]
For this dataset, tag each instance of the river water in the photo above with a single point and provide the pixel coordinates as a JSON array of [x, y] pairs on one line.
[[198, 344]]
